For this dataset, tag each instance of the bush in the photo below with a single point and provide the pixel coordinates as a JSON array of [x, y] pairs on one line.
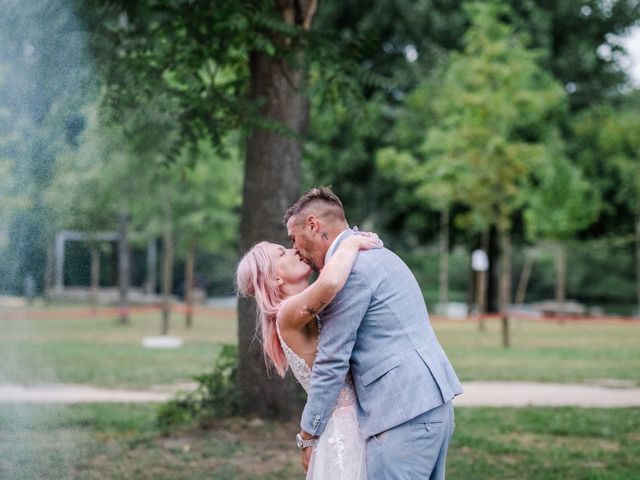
[[215, 396]]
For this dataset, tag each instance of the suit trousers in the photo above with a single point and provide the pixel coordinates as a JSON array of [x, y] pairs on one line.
[[416, 449]]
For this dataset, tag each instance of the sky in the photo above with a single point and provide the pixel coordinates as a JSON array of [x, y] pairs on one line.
[[632, 44]]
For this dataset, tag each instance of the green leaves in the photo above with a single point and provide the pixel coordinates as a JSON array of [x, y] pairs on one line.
[[560, 202], [490, 142], [606, 143]]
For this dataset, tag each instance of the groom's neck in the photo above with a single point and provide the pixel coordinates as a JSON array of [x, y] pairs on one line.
[[330, 233]]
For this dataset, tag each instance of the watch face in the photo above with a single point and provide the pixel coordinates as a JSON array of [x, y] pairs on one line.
[[299, 440]]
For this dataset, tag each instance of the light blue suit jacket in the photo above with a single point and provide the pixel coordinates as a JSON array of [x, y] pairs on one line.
[[378, 327]]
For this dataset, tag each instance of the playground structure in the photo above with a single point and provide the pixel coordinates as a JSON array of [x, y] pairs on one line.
[[145, 294]]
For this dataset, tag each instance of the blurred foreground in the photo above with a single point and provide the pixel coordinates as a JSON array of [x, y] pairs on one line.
[[66, 344], [121, 441]]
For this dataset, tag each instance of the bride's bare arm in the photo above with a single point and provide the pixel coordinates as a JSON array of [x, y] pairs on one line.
[[297, 310]]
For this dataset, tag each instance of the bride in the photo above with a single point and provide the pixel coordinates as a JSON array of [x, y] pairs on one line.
[[287, 319]]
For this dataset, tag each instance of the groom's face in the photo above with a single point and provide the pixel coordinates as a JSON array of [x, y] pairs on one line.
[[306, 241]]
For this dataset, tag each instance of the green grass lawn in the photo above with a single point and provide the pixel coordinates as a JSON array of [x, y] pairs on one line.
[[103, 352], [544, 351], [122, 442]]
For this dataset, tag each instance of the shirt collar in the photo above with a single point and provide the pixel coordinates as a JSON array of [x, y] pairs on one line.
[[334, 245]]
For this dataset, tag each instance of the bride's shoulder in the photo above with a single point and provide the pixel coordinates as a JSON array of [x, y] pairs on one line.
[[283, 315]]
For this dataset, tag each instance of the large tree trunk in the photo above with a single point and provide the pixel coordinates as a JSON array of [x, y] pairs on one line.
[[505, 283], [443, 273], [124, 267], [271, 184], [188, 285]]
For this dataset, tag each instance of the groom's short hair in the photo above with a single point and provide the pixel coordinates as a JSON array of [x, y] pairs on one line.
[[322, 200]]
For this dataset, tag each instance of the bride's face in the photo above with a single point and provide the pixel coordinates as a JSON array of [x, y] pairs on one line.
[[289, 266]]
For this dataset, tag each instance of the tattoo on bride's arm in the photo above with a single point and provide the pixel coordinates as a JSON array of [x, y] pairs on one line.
[[314, 310]]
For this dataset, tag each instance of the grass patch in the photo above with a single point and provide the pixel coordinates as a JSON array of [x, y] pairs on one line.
[[103, 352], [94, 441], [545, 443], [543, 351], [123, 442]]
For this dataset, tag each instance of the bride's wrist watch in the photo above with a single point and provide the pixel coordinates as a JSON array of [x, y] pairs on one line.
[[302, 444]]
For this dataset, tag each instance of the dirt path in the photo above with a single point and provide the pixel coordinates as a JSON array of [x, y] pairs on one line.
[[522, 394], [495, 394], [74, 393]]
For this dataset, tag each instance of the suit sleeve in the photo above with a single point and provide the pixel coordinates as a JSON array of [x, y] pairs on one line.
[[341, 320]]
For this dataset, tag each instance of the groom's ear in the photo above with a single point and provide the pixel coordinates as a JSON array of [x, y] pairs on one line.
[[312, 222]]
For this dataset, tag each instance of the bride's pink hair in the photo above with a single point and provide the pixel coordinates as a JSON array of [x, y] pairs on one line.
[[255, 277]]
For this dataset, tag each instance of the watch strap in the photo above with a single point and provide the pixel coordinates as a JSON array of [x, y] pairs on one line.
[[301, 443]]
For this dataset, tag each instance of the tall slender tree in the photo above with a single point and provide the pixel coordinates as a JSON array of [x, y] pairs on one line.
[[494, 119]]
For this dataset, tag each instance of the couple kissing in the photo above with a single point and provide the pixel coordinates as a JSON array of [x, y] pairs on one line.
[[379, 385]]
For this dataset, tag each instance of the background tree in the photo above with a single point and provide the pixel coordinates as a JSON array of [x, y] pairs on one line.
[[399, 45], [252, 75], [432, 183], [495, 124], [45, 80], [563, 202], [208, 198], [607, 147], [81, 194]]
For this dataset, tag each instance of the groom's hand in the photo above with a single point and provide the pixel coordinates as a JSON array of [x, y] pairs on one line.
[[306, 457], [306, 452]]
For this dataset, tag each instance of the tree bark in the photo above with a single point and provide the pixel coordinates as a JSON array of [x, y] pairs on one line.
[[523, 283], [482, 282], [95, 276], [167, 271], [49, 271], [124, 267], [561, 274], [443, 273], [505, 283], [493, 275], [271, 185], [152, 267], [188, 285]]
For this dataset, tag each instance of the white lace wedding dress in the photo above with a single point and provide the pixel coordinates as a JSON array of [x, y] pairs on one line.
[[339, 453]]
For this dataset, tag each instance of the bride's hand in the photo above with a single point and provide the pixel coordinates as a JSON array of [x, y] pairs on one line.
[[366, 240]]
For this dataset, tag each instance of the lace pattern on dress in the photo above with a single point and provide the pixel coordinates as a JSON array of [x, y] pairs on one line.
[[340, 453], [298, 366], [302, 372], [337, 442]]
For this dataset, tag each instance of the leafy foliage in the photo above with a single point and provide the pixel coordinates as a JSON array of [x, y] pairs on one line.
[[161, 111], [44, 79], [491, 123], [216, 395]]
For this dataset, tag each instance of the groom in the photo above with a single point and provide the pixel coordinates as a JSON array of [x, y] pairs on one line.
[[378, 327]]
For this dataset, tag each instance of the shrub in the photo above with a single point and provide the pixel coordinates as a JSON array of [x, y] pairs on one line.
[[215, 396]]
